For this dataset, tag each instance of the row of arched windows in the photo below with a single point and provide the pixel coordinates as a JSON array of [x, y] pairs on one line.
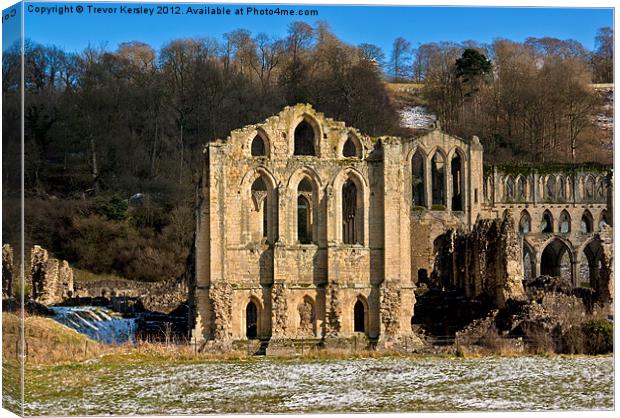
[[438, 184], [307, 317], [557, 258], [305, 143], [551, 188], [547, 226], [352, 211]]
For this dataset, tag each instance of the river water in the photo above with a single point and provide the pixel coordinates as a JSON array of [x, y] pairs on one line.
[[361, 385], [101, 324]]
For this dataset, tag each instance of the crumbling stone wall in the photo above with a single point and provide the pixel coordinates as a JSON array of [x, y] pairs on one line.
[[606, 276], [333, 324], [51, 279], [163, 296], [221, 299], [390, 307], [279, 309], [485, 262], [7, 271]]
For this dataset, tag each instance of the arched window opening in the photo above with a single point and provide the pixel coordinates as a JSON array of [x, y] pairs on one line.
[[556, 260], [422, 276], [251, 320], [303, 220], [529, 270], [521, 189], [258, 147], [304, 212], [510, 188], [259, 195], [564, 222], [550, 190], [589, 187], [562, 188], [417, 179], [350, 221], [600, 187], [525, 223], [438, 179], [586, 223], [456, 170], [352, 148], [304, 139], [590, 266], [603, 220], [359, 317], [546, 225]]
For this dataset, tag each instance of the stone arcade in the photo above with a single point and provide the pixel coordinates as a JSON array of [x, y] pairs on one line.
[[309, 229]]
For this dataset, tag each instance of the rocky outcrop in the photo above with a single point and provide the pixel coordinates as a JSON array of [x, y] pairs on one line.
[[51, 279]]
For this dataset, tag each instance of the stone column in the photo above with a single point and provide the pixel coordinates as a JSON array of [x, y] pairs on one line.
[[279, 310], [428, 182], [574, 271]]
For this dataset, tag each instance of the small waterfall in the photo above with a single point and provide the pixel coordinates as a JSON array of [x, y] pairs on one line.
[[98, 323]]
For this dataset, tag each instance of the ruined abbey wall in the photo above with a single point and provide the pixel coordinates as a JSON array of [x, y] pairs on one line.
[[326, 243]]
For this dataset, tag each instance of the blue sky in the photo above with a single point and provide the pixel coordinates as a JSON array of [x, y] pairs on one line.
[[353, 24]]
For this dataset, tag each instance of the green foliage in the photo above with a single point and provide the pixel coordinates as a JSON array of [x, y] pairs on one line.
[[598, 336], [438, 207], [472, 64], [526, 168], [113, 208]]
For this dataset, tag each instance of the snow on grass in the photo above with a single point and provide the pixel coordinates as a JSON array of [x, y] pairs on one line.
[[417, 117], [386, 384]]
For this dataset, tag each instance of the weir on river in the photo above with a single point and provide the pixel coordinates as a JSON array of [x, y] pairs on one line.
[[101, 324]]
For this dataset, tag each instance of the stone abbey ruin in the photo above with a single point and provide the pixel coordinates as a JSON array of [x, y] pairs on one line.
[[309, 229]]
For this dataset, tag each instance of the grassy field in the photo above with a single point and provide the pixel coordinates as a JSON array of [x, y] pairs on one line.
[[147, 384], [68, 374], [87, 276]]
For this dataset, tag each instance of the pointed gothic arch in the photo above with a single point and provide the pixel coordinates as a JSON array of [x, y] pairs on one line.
[[525, 222], [546, 223], [352, 147], [418, 178], [564, 222], [457, 164], [360, 315], [587, 222], [438, 178], [556, 259]]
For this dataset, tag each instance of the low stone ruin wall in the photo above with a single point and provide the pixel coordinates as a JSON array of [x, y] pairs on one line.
[[51, 282], [51, 279], [162, 296], [7, 271]]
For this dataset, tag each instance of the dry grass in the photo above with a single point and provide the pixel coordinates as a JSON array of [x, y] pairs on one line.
[[403, 86]]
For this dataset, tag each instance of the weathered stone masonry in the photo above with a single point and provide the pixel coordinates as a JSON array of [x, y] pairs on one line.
[[308, 228]]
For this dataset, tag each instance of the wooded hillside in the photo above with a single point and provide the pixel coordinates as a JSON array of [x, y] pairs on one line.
[[113, 139]]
